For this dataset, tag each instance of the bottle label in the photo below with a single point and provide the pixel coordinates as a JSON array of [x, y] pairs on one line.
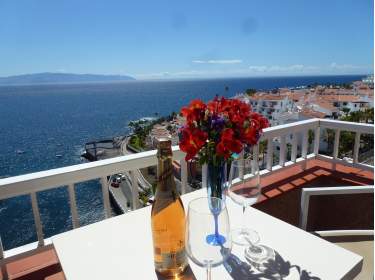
[[171, 260]]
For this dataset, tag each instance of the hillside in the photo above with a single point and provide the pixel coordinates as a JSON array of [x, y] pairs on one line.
[[60, 78]]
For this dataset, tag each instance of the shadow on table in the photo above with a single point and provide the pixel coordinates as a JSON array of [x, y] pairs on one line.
[[276, 269], [187, 275]]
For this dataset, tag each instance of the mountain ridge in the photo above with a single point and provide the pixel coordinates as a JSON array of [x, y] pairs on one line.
[[61, 78]]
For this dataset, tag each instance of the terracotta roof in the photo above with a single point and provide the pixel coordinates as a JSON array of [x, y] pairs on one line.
[[361, 84], [296, 96], [312, 113], [340, 98], [369, 92], [326, 105], [284, 90], [330, 91], [267, 97]]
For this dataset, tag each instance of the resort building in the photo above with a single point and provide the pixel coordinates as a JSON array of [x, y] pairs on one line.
[[165, 129], [324, 107], [272, 106], [369, 80]]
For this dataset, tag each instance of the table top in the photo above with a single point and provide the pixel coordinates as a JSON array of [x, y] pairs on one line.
[[121, 248]]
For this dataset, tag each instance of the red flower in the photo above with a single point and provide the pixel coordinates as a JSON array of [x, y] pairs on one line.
[[249, 135], [222, 150], [228, 144], [194, 111], [191, 141], [262, 122], [238, 126]]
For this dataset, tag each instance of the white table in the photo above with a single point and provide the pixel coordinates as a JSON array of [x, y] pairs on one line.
[[121, 248]]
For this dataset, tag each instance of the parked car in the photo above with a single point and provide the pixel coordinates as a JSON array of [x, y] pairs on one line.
[[115, 183]]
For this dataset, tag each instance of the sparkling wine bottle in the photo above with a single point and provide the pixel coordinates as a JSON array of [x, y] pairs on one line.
[[168, 217]]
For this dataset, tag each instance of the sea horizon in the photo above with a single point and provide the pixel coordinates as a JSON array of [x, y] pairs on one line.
[[177, 79]]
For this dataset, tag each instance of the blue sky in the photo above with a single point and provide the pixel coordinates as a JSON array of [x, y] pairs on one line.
[[187, 39]]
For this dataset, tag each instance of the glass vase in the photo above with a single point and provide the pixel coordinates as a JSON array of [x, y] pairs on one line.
[[216, 180]]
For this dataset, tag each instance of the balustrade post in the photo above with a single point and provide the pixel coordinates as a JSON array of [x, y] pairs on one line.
[[73, 206], [135, 192], [37, 221], [269, 154], [316, 140], [304, 144], [105, 192], [336, 144], [357, 142], [293, 156], [282, 150]]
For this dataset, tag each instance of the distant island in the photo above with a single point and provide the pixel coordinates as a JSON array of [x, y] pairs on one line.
[[61, 78]]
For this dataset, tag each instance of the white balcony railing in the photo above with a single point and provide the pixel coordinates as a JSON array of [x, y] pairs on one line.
[[30, 184]]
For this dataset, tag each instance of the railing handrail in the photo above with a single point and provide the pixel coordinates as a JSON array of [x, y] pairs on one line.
[[283, 129], [52, 178], [347, 126]]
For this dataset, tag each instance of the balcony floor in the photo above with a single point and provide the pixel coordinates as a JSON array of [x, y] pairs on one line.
[[281, 195], [39, 266], [281, 192]]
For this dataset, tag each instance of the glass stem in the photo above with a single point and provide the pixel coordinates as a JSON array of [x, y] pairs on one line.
[[208, 271], [216, 225], [243, 218]]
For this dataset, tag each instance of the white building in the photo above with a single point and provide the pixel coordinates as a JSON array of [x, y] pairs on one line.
[[272, 106], [352, 102]]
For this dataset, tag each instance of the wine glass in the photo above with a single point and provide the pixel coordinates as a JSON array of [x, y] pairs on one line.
[[244, 189], [202, 219]]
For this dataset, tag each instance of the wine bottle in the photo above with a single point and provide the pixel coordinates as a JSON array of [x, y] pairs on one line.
[[167, 217]]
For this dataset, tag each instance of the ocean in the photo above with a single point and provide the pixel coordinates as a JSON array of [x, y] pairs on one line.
[[47, 120]]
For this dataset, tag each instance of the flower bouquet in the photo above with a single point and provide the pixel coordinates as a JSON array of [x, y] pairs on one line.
[[217, 132]]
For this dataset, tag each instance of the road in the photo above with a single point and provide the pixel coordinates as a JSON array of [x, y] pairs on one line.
[[142, 182], [123, 194]]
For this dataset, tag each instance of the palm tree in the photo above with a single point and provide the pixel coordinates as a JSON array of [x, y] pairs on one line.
[[347, 138], [250, 91]]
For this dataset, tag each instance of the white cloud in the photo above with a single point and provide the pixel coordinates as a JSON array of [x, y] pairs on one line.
[[238, 72], [336, 66], [295, 68], [257, 70], [219, 61]]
